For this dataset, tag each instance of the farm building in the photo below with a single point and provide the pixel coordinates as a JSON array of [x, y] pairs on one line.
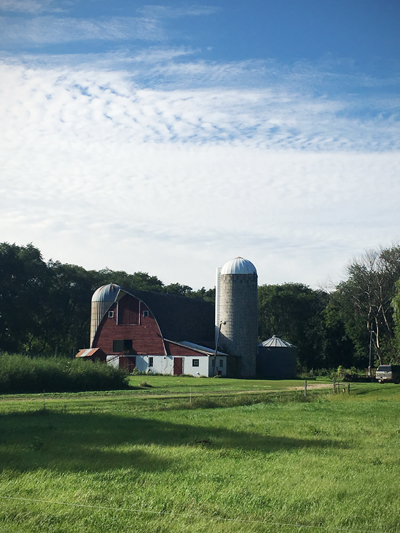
[[276, 359], [170, 334], [92, 354], [155, 332]]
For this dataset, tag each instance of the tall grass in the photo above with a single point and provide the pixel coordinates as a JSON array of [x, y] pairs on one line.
[[20, 374], [323, 466], [116, 462]]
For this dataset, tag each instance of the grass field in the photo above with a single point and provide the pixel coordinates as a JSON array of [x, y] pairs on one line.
[[149, 460]]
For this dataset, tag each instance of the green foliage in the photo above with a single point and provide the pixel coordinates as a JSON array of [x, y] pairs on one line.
[[139, 280], [396, 318], [45, 308], [293, 312], [364, 303], [24, 283], [21, 374]]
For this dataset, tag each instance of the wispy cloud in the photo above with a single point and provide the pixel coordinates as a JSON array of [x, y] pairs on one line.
[[32, 6], [271, 117], [157, 11], [51, 30], [139, 177], [157, 155]]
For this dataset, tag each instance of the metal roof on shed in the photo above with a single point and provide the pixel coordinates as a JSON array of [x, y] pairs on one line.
[[90, 352]]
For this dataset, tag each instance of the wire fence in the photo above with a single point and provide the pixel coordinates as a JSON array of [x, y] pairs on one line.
[[194, 516]]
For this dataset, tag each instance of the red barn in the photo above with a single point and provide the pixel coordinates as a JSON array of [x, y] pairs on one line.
[[155, 332]]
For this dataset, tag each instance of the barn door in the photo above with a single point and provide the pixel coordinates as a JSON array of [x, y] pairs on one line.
[[178, 366], [127, 363]]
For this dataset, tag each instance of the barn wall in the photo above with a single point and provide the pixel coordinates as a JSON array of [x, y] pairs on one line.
[[165, 364], [201, 370], [161, 364], [222, 369], [146, 336]]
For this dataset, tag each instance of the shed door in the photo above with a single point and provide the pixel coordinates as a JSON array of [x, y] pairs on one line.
[[178, 366]]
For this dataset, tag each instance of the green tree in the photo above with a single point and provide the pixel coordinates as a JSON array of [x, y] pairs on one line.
[[365, 302], [206, 294], [177, 288], [396, 319], [293, 311], [139, 280], [24, 283], [69, 307]]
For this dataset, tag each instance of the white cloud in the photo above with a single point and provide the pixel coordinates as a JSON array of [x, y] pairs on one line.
[[51, 30], [99, 171], [30, 6], [73, 101], [157, 11]]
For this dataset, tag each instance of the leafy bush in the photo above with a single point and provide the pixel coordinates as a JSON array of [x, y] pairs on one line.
[[20, 374]]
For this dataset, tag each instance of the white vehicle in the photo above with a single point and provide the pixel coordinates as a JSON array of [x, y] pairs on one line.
[[386, 373]]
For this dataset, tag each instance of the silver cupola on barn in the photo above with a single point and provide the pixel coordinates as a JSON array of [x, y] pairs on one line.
[[236, 312]]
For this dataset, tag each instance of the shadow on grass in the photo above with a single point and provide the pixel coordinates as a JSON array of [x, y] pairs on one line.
[[100, 442]]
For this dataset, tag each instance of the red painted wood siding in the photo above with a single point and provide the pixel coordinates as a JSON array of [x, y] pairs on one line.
[[176, 349], [146, 337], [128, 311]]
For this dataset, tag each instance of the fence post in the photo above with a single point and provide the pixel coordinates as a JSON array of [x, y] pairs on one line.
[[305, 387], [348, 388], [334, 384]]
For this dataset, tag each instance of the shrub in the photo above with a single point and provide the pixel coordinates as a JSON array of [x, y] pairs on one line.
[[20, 374]]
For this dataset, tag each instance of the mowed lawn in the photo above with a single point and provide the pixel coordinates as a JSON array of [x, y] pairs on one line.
[[144, 461]]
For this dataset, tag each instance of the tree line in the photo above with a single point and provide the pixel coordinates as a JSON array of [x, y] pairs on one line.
[[45, 308]]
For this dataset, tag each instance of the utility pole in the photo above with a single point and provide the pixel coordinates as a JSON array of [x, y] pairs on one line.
[[370, 353], [216, 346]]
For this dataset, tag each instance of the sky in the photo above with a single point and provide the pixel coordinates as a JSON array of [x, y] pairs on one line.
[[171, 137]]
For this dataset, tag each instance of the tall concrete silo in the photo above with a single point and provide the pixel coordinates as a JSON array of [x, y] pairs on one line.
[[237, 313], [102, 300]]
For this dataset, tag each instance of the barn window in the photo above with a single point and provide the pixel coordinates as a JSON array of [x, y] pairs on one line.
[[146, 313], [110, 314], [122, 345], [195, 362], [150, 361], [221, 363]]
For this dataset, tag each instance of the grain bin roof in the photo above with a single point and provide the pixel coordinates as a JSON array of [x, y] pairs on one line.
[[276, 342], [238, 266]]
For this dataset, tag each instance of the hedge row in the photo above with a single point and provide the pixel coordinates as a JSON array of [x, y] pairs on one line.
[[20, 374]]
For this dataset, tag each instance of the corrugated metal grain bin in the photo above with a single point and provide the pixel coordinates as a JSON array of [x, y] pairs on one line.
[[276, 359]]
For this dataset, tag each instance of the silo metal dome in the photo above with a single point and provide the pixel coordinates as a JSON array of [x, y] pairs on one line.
[[102, 300], [106, 293], [239, 266]]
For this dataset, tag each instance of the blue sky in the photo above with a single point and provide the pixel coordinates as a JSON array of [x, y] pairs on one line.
[[171, 137]]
